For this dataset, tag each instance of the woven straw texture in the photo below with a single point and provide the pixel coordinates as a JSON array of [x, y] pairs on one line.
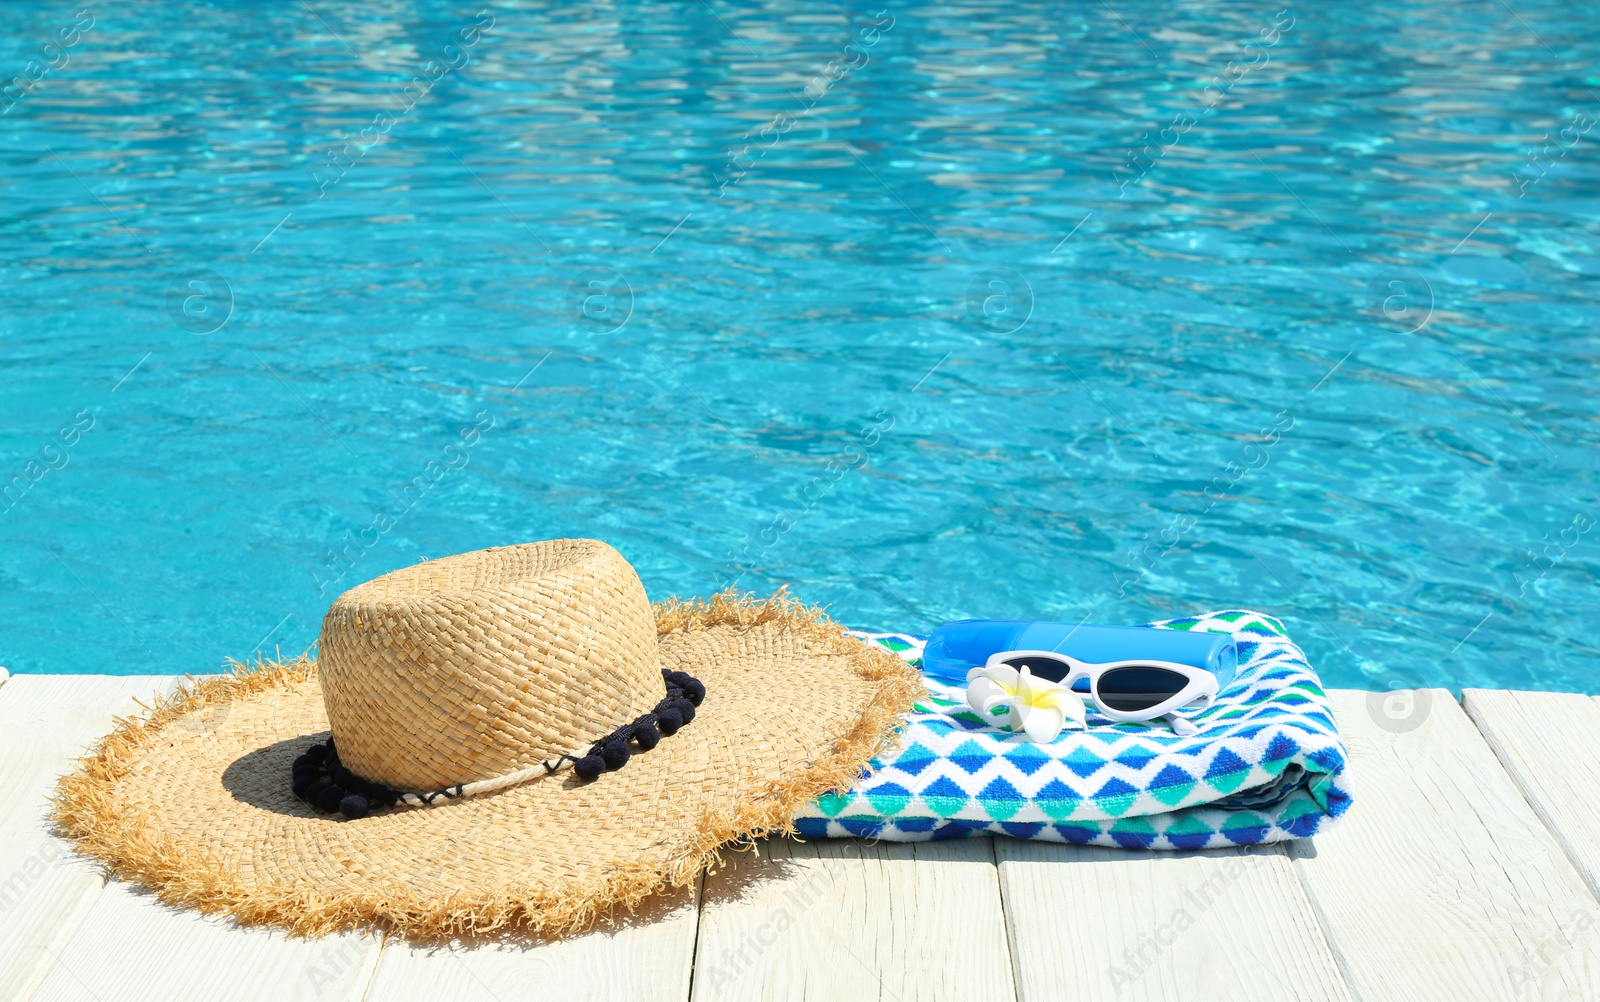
[[193, 799], [477, 665]]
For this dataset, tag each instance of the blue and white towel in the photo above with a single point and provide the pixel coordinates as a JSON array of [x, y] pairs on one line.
[[1266, 765]]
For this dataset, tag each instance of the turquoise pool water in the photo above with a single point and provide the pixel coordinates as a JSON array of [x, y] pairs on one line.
[[1115, 310]]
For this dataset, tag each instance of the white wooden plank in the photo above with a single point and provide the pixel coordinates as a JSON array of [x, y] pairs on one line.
[[1441, 882], [842, 920], [1550, 744], [46, 721], [132, 948], [644, 958], [1097, 923]]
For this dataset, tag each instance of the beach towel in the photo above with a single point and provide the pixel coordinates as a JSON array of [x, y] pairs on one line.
[[1266, 764]]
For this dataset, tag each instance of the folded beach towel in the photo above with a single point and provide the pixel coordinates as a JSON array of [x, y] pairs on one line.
[[1266, 764]]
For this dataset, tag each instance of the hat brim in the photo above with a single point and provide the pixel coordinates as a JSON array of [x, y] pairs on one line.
[[193, 801]]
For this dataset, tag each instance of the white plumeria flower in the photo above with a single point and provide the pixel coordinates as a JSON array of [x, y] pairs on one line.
[[1038, 707]]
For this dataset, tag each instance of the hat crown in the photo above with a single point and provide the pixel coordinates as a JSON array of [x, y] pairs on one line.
[[477, 665]]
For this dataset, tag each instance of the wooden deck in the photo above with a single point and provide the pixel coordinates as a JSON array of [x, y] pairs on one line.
[[1467, 869]]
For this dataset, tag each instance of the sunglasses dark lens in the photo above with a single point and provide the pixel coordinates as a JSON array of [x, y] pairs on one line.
[[1136, 688], [1048, 669]]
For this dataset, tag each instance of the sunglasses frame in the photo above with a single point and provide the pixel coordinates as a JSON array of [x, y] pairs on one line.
[[1200, 690]]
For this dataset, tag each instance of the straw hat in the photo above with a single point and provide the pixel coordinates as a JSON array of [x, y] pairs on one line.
[[470, 700]]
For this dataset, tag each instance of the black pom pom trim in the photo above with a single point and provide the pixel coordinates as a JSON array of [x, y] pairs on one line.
[[668, 721], [684, 692], [645, 733], [589, 767], [695, 690], [322, 781], [328, 799], [616, 754]]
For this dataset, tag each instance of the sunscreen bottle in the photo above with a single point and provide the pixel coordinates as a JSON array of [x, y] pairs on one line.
[[956, 647]]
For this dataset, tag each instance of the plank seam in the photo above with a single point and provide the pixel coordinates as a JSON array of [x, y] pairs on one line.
[[1296, 852], [694, 944], [1005, 913], [372, 973], [1486, 731], [1339, 962], [64, 936]]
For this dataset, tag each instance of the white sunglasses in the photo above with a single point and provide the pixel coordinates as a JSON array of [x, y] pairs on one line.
[[1133, 690]]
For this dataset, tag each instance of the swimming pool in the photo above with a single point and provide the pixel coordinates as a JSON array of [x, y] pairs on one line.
[[1116, 310]]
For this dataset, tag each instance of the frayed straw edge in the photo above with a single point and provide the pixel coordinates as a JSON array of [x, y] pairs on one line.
[[130, 849]]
